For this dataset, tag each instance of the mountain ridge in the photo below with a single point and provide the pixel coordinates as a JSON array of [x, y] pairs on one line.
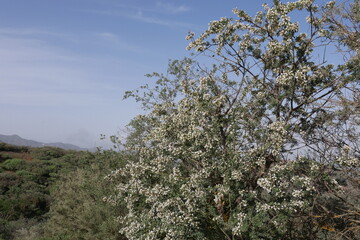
[[19, 141]]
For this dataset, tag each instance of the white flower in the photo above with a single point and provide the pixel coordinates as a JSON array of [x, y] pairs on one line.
[[190, 36]]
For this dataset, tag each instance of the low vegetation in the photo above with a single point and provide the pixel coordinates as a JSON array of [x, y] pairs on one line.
[[51, 193]]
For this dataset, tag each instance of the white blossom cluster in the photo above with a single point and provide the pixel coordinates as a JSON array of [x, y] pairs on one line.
[[347, 158]]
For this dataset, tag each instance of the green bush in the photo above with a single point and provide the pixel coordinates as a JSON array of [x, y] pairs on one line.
[[26, 175], [13, 148], [21, 229], [8, 180], [4, 156], [47, 153], [78, 210], [13, 164]]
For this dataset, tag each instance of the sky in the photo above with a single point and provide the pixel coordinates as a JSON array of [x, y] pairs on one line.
[[65, 65]]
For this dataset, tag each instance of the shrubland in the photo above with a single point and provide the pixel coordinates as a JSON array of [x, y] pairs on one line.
[[51, 193]]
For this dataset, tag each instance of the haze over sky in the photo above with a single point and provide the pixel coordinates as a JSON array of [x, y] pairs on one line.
[[64, 65]]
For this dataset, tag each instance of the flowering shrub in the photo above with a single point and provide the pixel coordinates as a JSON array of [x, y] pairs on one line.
[[233, 151]]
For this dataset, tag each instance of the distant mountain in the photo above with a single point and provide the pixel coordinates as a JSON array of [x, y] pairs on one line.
[[17, 140]]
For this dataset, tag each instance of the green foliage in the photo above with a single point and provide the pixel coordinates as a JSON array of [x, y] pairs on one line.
[[27, 176], [4, 156], [13, 164], [78, 210], [47, 153], [13, 148], [7, 180]]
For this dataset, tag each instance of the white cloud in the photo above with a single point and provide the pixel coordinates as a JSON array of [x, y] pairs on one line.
[[170, 8], [152, 20], [140, 16], [35, 34], [118, 42]]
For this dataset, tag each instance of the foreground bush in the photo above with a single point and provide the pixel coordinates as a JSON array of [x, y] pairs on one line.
[[252, 147]]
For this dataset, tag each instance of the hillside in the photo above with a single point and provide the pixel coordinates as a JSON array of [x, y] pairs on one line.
[[18, 141]]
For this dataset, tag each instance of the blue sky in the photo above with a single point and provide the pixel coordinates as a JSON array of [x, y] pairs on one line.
[[64, 65]]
